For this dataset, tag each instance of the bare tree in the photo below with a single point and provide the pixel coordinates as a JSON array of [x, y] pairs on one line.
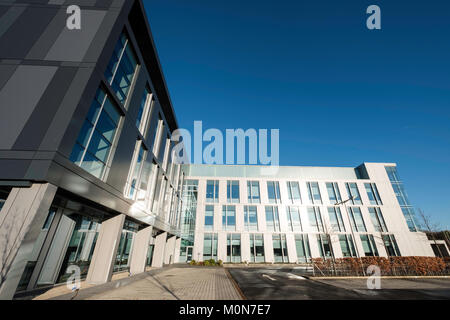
[[431, 227]]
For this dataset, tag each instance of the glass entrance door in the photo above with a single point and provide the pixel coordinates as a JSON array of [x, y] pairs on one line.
[[189, 251]]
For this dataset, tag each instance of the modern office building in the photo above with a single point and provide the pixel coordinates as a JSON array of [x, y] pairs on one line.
[[86, 176], [87, 179], [252, 214]]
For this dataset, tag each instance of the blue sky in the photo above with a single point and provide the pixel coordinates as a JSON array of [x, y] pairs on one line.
[[339, 93]]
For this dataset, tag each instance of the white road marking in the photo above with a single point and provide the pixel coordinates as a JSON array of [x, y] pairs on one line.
[[269, 277], [293, 276]]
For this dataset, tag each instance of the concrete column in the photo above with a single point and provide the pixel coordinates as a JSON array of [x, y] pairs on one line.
[[158, 252], [140, 250], [21, 221], [102, 264], [291, 249], [313, 246], [176, 251], [169, 250], [245, 247], [268, 247], [222, 246]]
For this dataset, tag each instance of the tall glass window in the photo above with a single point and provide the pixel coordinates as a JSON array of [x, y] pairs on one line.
[[377, 219], [315, 219], [402, 198], [337, 224], [347, 246], [273, 191], [121, 68], [280, 252], [209, 217], [136, 168], [333, 192], [209, 246], [391, 245], [229, 218], [94, 142], [353, 192], [144, 112], [372, 193], [256, 248], [125, 246], [272, 219], [324, 244], [314, 193], [233, 191], [356, 219], [293, 218], [294, 192], [369, 246], [253, 192], [234, 248], [302, 246], [212, 191], [250, 218]]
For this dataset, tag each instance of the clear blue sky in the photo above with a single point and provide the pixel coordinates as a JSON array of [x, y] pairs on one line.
[[339, 93]]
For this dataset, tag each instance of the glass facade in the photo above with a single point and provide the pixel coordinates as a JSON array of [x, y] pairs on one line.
[[93, 146], [347, 246], [314, 193], [302, 247], [256, 248], [188, 215], [280, 252], [333, 192], [294, 192], [209, 217], [324, 244], [81, 245], [272, 219], [234, 247], [212, 191], [229, 218], [372, 194], [250, 218], [315, 219], [145, 111], [369, 246], [253, 192], [337, 224], [210, 246], [356, 219], [121, 68], [391, 245], [233, 191], [293, 219], [273, 191], [125, 246], [402, 198], [137, 165], [377, 219], [353, 192]]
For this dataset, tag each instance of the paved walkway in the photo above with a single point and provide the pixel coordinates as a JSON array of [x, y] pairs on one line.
[[172, 283]]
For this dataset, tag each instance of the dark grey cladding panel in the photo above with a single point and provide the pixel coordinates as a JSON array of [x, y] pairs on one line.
[[25, 31], [6, 71], [38, 123], [10, 169], [58, 136], [17, 106], [122, 157], [72, 45]]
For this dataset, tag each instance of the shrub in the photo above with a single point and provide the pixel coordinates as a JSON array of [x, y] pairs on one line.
[[420, 266]]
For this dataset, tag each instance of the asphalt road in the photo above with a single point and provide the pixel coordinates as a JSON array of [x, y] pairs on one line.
[[289, 284]]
